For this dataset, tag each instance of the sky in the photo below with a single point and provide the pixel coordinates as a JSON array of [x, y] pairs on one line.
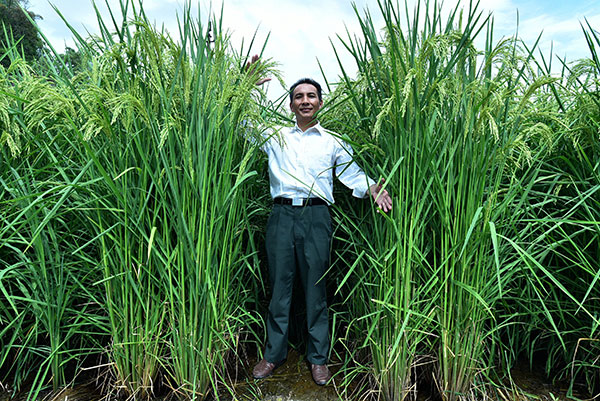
[[302, 34]]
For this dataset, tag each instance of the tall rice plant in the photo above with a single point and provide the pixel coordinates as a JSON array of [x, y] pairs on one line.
[[48, 320], [151, 163], [172, 226], [558, 305], [443, 124]]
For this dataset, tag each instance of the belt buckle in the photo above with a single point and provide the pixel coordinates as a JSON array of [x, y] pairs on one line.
[[296, 201]]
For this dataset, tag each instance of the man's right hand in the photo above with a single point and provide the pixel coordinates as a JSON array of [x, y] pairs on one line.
[[381, 197]]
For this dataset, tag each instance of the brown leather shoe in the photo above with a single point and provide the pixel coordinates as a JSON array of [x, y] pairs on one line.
[[264, 369], [320, 374]]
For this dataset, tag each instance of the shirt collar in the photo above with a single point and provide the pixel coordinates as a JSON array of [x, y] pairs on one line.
[[317, 128]]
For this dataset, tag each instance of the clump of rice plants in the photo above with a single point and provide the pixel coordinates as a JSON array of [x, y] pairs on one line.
[[459, 136], [46, 320], [126, 181], [558, 310]]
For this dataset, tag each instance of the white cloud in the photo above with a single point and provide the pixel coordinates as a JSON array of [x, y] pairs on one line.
[[300, 33], [563, 35]]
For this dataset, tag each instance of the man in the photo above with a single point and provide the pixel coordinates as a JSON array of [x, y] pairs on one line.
[[302, 161]]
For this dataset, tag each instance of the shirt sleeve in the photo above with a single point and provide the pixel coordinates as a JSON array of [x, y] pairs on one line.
[[349, 173]]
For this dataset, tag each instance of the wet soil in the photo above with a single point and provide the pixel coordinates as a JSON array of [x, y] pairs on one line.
[[293, 382], [531, 383], [80, 393]]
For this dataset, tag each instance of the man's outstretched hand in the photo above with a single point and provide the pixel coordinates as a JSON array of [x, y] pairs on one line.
[[251, 69], [381, 196]]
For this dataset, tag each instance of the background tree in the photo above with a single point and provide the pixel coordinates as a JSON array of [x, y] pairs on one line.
[[72, 59], [16, 24]]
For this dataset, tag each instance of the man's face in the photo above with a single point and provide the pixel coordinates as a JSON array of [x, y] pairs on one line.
[[305, 102]]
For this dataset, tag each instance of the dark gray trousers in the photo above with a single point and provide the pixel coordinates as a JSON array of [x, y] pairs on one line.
[[298, 238]]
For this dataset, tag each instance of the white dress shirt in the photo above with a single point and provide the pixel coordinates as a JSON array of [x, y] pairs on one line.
[[301, 164]]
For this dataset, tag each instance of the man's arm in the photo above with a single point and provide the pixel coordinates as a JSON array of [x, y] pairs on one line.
[[352, 176], [251, 69]]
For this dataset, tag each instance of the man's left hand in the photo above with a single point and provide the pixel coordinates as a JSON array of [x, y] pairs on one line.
[[381, 196], [251, 69]]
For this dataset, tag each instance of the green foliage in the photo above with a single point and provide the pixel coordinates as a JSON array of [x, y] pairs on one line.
[[131, 209], [470, 269], [137, 249]]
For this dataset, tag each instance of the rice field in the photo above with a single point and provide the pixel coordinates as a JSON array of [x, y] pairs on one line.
[[133, 211]]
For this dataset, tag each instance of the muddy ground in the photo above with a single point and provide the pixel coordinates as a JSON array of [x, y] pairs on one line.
[[292, 382]]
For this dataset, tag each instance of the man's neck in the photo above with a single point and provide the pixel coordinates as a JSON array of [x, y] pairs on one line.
[[306, 125]]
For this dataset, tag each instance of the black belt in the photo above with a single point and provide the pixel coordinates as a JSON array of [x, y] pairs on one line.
[[299, 202]]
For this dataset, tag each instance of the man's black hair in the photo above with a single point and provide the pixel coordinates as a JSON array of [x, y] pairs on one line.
[[306, 81]]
